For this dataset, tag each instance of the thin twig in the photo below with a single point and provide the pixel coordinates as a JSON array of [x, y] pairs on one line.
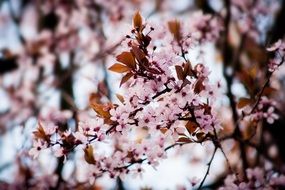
[[208, 169]]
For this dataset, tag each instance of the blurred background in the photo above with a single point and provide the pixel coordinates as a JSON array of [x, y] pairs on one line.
[[54, 56]]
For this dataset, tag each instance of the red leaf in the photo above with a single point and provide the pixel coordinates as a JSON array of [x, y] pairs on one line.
[[163, 130], [137, 20], [126, 78], [121, 98], [88, 155], [101, 110], [179, 72], [191, 126], [188, 69], [269, 91], [184, 139], [40, 133], [199, 85], [174, 28], [127, 58], [139, 55], [244, 102], [118, 68]]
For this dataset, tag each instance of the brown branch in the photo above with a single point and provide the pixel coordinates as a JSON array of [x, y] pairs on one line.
[[229, 81], [208, 169], [161, 92], [260, 94]]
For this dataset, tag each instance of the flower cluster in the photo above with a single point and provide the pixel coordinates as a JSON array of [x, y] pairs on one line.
[[247, 13], [258, 178], [205, 27], [265, 110], [56, 54], [262, 106], [166, 102]]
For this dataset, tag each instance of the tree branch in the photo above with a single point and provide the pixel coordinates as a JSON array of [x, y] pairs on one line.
[[208, 169]]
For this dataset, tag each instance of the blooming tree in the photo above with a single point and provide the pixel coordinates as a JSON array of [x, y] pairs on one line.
[[166, 98]]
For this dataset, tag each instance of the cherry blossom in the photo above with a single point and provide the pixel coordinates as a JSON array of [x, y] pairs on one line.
[[257, 179], [37, 147], [148, 92]]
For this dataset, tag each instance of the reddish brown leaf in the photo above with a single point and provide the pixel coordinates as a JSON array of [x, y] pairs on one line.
[[102, 88], [199, 85], [184, 139], [137, 20], [191, 126], [269, 91], [179, 72], [174, 28], [207, 108], [119, 68], [191, 72], [250, 129], [94, 97], [127, 58], [244, 102], [139, 54], [185, 82], [88, 155], [101, 110], [121, 98], [40, 133], [163, 130], [126, 78], [188, 69]]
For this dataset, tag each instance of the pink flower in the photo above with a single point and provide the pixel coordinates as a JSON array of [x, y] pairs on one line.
[[270, 115], [205, 27], [119, 115], [38, 145], [137, 171], [146, 118], [79, 136], [265, 109], [258, 178]]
